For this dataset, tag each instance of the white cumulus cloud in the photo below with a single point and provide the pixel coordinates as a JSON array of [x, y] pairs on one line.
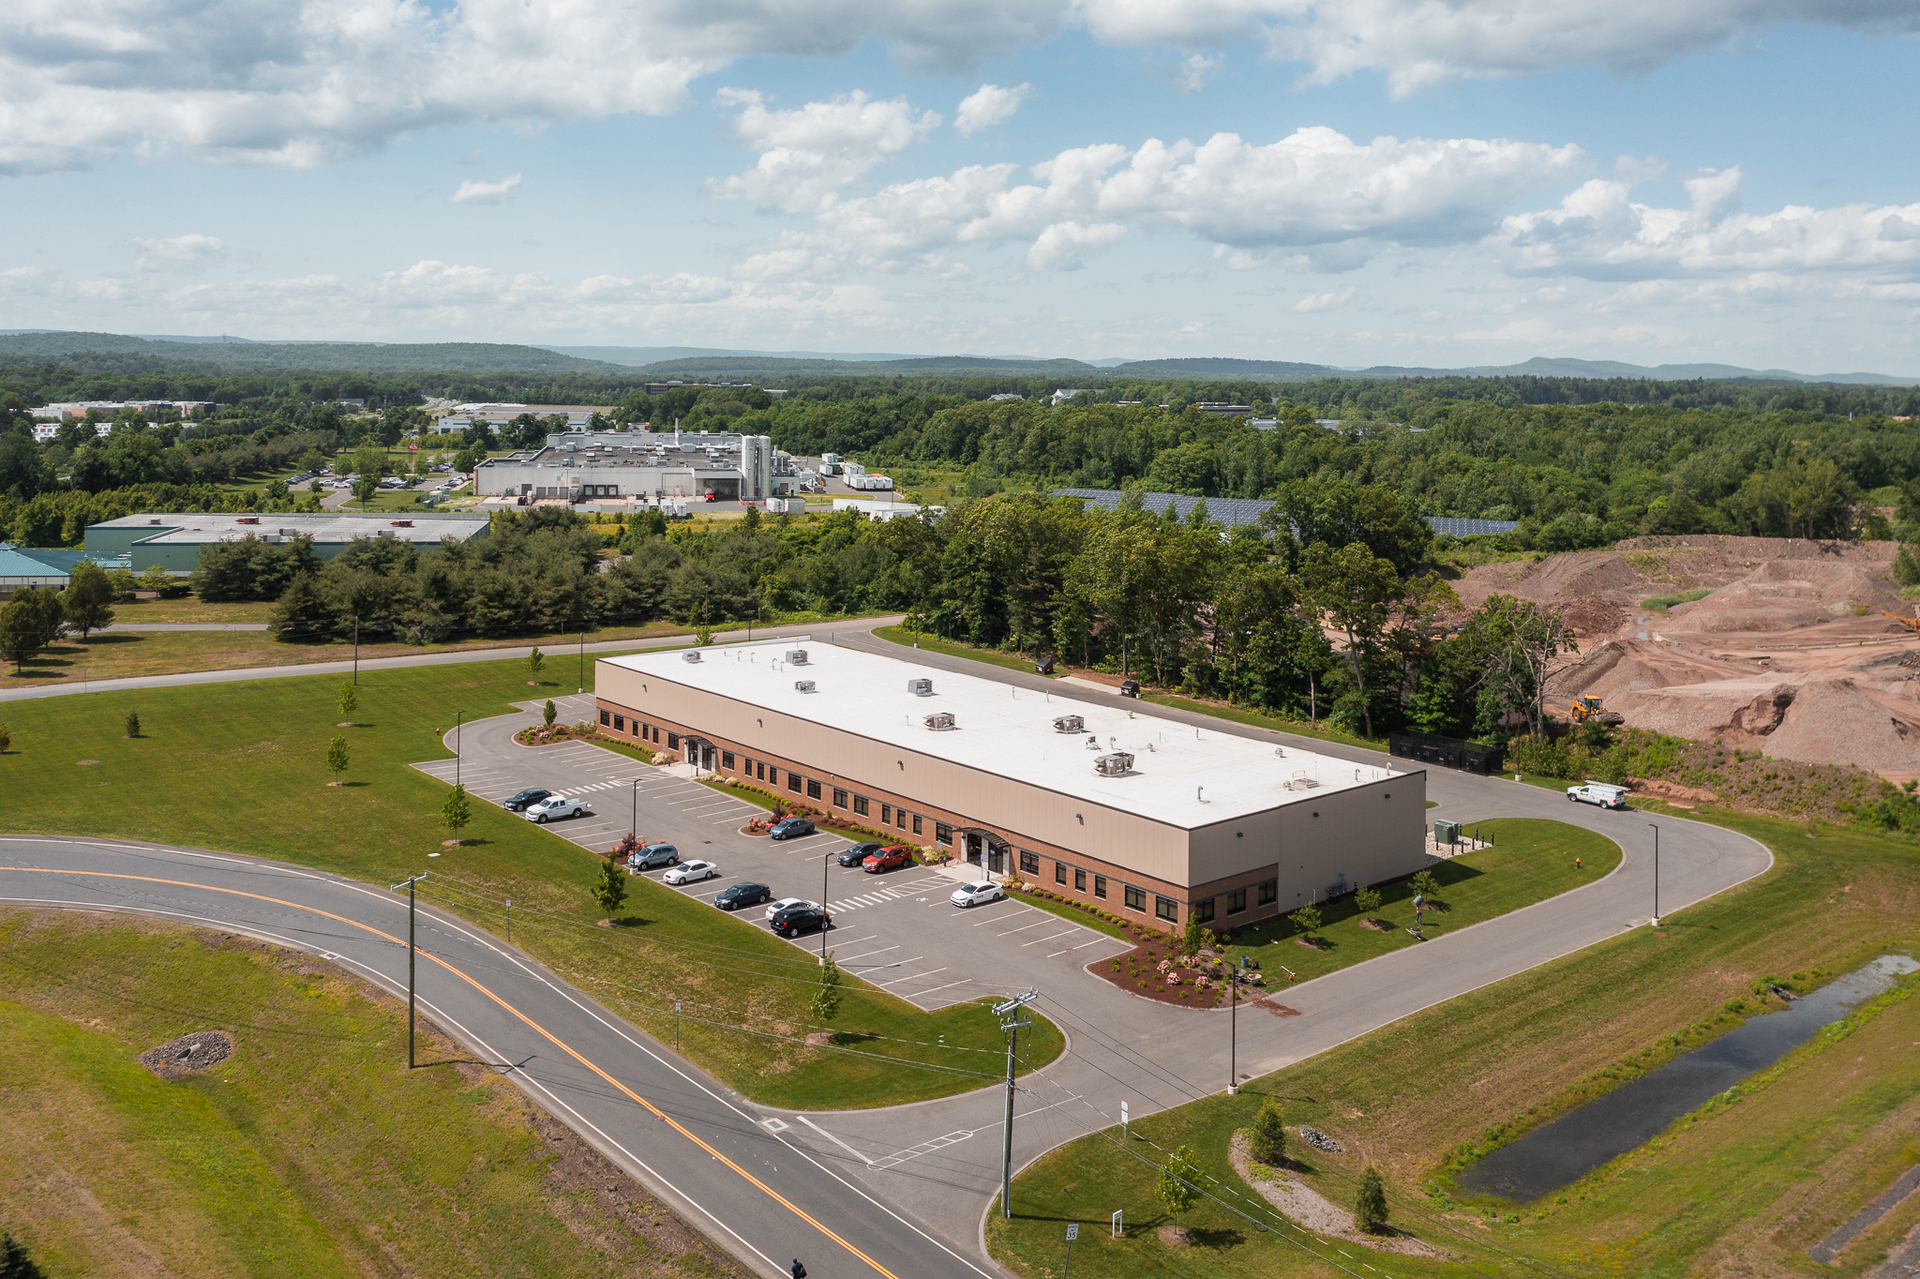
[[987, 106], [1315, 190], [1324, 301], [1601, 233], [809, 153], [179, 253], [472, 192]]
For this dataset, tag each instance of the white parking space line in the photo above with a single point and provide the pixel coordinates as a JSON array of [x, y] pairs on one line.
[[1036, 941], [922, 994], [1038, 923], [910, 977], [1004, 916], [863, 954]]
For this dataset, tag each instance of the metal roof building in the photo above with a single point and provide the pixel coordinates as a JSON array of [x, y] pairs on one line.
[[1235, 511], [173, 541], [1125, 808]]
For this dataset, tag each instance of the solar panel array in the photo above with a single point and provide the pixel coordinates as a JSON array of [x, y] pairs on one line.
[[1235, 511]]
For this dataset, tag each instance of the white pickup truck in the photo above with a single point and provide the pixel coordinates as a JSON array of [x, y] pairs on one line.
[[1601, 793]]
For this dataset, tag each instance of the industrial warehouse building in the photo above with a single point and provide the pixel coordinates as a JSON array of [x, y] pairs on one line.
[[622, 467], [1132, 812], [173, 541]]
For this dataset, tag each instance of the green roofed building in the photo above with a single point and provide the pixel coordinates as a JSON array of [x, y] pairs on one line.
[[173, 542]]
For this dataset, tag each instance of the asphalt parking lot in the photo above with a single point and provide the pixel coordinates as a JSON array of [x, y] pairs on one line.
[[897, 930]]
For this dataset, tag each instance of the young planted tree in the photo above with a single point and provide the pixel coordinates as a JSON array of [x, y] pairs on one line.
[[88, 599], [1307, 920], [535, 660], [1426, 885], [456, 812], [348, 698], [610, 889], [1179, 1187], [1370, 1202], [1267, 1139], [133, 724], [826, 1001], [6, 739], [337, 758], [1366, 901], [548, 712]]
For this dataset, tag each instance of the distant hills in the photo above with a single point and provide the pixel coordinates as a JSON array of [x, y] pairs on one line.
[[121, 352]]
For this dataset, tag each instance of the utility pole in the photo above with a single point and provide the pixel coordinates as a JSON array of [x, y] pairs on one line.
[[457, 717], [1233, 1032], [1009, 1014], [583, 654], [1656, 873], [410, 953], [356, 650]]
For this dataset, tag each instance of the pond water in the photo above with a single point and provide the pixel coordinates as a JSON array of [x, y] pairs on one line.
[[1559, 1153]]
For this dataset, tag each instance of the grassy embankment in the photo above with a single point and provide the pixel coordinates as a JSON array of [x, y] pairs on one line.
[[294, 1156], [1744, 1185], [240, 767], [1321, 730]]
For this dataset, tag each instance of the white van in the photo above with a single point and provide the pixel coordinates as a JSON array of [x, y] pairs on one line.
[[1602, 793]]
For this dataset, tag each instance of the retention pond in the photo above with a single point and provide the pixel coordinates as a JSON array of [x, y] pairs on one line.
[[1562, 1152]]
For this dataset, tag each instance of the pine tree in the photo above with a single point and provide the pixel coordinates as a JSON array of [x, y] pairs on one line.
[[1370, 1203], [535, 660], [133, 724], [548, 712], [1269, 1136]]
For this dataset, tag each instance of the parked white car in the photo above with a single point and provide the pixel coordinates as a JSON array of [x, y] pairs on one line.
[[774, 908], [555, 806], [691, 873], [977, 894], [1598, 793]]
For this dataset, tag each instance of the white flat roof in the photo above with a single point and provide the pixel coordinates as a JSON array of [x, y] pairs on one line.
[[1182, 776], [325, 526]]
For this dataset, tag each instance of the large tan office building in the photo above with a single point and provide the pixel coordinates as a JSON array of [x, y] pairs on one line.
[[1139, 814]]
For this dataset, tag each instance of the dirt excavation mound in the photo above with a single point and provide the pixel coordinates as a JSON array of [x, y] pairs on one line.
[[1786, 653]]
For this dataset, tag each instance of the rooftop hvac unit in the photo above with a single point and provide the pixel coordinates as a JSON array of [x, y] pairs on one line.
[[920, 687], [803, 686], [798, 656], [1070, 724], [1118, 764], [939, 721], [691, 655]]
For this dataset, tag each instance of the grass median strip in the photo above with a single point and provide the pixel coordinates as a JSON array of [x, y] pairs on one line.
[[241, 767], [289, 1156], [1756, 1181]]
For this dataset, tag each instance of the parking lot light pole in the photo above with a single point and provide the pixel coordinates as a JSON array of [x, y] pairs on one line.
[[633, 828], [410, 954], [1009, 1015], [823, 906], [1233, 1032], [356, 650], [1656, 873], [457, 717]]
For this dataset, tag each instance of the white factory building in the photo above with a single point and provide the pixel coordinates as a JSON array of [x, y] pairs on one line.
[[639, 466], [1139, 814]]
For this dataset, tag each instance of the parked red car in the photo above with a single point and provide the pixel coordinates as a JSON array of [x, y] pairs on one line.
[[887, 859]]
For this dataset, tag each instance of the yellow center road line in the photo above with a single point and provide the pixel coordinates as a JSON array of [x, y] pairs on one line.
[[551, 1038]]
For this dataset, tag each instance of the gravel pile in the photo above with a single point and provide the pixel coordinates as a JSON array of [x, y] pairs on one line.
[[189, 1054]]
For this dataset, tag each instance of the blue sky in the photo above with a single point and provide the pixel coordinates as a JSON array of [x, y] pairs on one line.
[[1396, 182]]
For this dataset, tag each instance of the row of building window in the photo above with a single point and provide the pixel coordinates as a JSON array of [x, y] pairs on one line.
[[1135, 898]]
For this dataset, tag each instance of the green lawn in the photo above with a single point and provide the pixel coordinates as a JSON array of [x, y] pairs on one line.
[[992, 656], [240, 767], [1530, 861], [1740, 1188], [311, 1151]]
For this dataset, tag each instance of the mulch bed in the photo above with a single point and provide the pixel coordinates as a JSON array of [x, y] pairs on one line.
[[189, 1054], [1180, 985], [541, 735]]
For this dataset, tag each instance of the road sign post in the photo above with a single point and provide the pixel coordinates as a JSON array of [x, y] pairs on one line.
[[1118, 1227], [1073, 1233], [1123, 1121]]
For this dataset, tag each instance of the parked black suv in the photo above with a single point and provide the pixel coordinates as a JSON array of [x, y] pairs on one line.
[[518, 801], [795, 920]]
